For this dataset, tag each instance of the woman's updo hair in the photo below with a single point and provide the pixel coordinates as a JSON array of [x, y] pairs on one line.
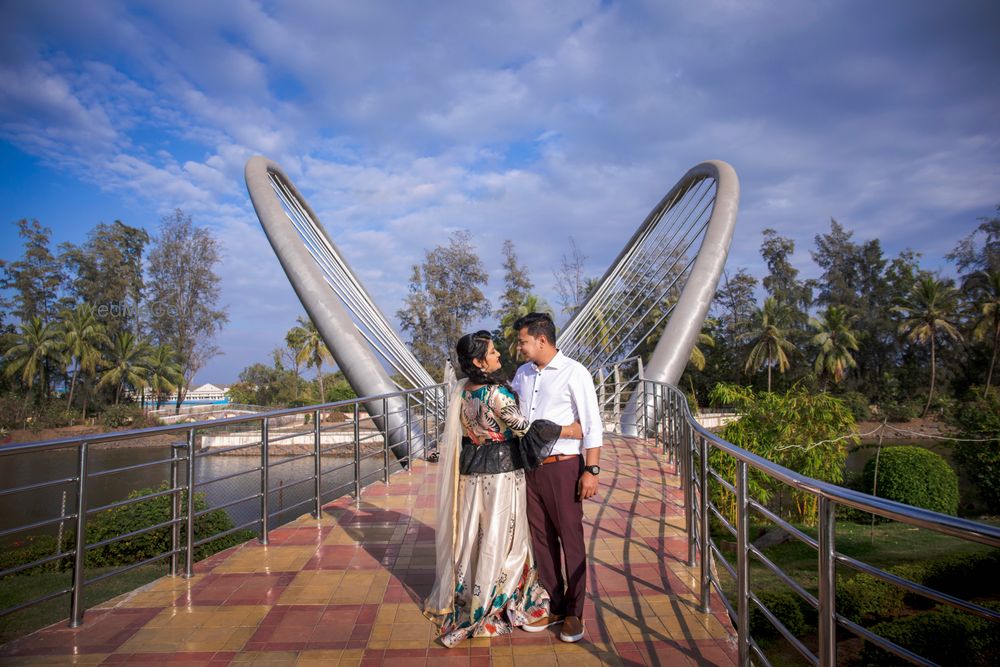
[[474, 346]]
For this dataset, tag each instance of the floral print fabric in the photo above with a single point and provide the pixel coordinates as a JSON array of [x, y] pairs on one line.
[[496, 583]]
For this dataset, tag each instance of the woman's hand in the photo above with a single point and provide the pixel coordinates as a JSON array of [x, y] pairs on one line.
[[573, 431]]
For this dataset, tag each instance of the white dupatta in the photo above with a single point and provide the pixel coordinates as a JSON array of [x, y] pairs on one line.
[[441, 602]]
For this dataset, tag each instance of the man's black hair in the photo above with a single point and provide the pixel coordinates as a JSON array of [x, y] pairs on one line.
[[538, 324]]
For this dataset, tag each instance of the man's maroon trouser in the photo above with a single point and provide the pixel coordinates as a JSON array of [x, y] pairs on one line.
[[555, 515]]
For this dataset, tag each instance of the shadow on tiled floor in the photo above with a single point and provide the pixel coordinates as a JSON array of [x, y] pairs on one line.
[[346, 590]]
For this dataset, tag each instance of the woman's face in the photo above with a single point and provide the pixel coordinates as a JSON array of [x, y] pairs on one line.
[[491, 362]]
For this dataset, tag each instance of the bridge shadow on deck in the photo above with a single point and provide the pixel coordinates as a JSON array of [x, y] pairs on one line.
[[346, 590]]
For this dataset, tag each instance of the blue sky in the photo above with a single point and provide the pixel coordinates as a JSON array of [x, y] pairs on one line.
[[535, 121]]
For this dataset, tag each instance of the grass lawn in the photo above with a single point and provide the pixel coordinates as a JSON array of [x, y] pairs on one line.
[[17, 589]]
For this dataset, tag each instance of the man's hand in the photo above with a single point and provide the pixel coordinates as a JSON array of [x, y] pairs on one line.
[[586, 486]]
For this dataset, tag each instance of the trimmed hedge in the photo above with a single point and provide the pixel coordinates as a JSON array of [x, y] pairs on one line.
[[945, 635], [867, 599], [914, 476], [786, 606]]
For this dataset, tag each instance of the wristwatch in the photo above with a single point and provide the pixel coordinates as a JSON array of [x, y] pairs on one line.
[[593, 470]]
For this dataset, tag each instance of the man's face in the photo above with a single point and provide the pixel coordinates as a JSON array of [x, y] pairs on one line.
[[528, 346]]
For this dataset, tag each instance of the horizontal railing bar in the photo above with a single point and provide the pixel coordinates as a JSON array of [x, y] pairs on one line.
[[920, 589], [718, 478], [882, 642], [40, 485], [290, 507], [37, 524], [721, 559], [936, 521], [132, 501], [134, 533], [349, 464], [36, 563], [717, 585], [333, 447], [242, 526], [781, 574], [787, 527], [291, 459], [131, 566], [718, 515], [118, 436], [223, 478], [780, 627], [135, 466], [214, 451], [30, 603], [345, 485], [759, 653], [223, 506], [291, 485], [271, 440]]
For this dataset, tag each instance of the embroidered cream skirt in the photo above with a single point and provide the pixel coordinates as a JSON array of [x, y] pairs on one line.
[[496, 584]]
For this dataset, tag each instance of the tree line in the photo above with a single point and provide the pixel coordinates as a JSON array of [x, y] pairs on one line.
[[878, 329], [123, 315], [875, 329]]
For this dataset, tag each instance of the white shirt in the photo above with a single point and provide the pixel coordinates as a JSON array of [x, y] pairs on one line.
[[562, 392]]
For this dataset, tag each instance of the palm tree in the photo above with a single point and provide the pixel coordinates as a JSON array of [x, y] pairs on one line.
[[927, 311], [128, 358], [770, 346], [697, 356], [83, 336], [312, 351], [35, 346], [985, 288], [836, 340], [165, 374], [530, 304]]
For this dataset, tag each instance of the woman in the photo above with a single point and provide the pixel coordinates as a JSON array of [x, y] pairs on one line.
[[486, 579]]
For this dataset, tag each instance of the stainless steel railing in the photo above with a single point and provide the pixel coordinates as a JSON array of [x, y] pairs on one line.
[[363, 438], [668, 421]]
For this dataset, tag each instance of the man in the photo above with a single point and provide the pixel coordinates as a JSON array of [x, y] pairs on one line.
[[553, 386]]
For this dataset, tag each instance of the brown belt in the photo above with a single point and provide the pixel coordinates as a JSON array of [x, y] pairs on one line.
[[556, 458]]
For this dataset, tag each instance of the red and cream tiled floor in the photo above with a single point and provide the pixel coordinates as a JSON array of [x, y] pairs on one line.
[[346, 590]]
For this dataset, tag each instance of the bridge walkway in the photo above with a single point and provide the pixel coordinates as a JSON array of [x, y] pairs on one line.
[[346, 590]]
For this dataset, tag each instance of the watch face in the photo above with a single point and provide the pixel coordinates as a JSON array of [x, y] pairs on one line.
[[593, 470]]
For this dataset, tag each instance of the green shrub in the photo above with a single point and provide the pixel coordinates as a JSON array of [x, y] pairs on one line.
[[944, 635], [900, 411], [866, 599], [914, 476], [123, 415], [130, 518], [786, 606], [858, 404], [978, 419], [30, 549]]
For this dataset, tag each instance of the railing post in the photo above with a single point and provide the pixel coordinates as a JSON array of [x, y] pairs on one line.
[[656, 421], [645, 416], [265, 504], [318, 437], [423, 425], [357, 454], [79, 555], [689, 491], [189, 525], [827, 583], [409, 436], [385, 440], [703, 538], [175, 503], [742, 567]]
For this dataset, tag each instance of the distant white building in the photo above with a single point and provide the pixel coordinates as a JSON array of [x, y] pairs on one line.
[[206, 393]]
